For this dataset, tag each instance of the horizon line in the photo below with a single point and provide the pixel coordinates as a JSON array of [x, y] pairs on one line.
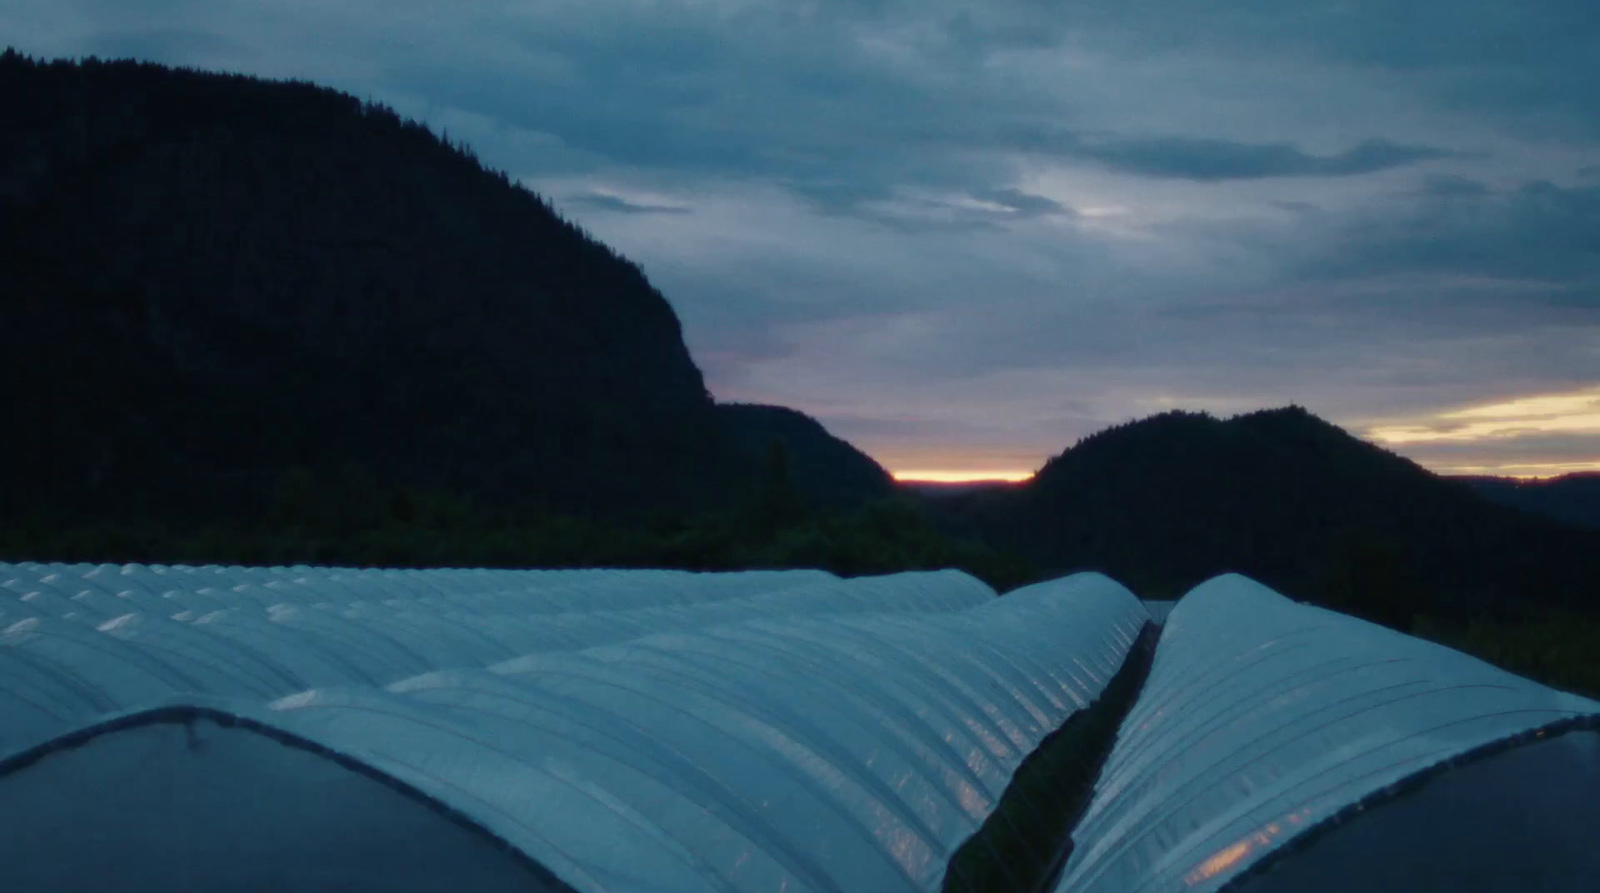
[[943, 476]]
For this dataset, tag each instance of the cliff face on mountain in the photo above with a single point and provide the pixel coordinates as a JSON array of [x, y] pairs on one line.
[[212, 281]]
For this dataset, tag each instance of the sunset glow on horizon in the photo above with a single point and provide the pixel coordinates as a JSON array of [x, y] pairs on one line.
[[1529, 471], [1537, 471], [932, 476]]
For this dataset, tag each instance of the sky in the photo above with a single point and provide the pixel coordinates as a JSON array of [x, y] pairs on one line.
[[965, 235]]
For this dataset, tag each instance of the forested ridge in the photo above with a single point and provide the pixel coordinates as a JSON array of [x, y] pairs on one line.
[[1289, 499], [1574, 498], [261, 321], [214, 283]]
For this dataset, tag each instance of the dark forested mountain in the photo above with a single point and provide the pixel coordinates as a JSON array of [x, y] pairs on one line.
[[1574, 498], [1289, 499], [214, 286]]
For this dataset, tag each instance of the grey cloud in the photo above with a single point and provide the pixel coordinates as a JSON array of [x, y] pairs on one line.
[[1450, 185], [1531, 64], [1213, 159], [176, 46], [931, 430], [831, 126], [1429, 33], [913, 225], [1296, 207], [871, 203], [1540, 232], [1510, 51], [1023, 202], [790, 96], [832, 196], [621, 205], [930, 216]]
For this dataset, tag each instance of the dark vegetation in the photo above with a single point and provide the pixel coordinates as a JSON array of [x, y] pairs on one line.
[[1026, 841], [1574, 498], [1559, 648], [352, 520], [266, 322]]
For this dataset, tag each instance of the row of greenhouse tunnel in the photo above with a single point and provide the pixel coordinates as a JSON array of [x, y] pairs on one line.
[[169, 728]]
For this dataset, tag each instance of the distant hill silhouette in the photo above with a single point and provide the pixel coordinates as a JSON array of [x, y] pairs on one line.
[[1573, 498], [824, 469], [215, 287], [1285, 497]]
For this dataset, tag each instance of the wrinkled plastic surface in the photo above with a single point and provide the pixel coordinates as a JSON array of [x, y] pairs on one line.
[[1262, 718], [628, 730]]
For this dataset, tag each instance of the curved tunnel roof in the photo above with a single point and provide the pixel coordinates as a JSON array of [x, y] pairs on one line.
[[1264, 723], [625, 730]]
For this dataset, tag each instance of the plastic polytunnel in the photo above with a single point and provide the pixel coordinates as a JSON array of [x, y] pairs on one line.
[[167, 728], [1281, 748]]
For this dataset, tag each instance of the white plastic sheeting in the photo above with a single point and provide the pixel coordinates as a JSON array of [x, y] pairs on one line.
[[627, 730], [81, 640], [1262, 718]]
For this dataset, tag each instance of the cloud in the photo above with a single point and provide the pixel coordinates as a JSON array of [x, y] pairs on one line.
[[1528, 64], [1574, 412], [1023, 202], [1214, 159], [977, 210], [177, 45], [1529, 455], [1453, 186], [1538, 232], [607, 202]]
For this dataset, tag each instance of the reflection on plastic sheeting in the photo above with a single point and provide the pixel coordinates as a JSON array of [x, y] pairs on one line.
[[1230, 857]]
